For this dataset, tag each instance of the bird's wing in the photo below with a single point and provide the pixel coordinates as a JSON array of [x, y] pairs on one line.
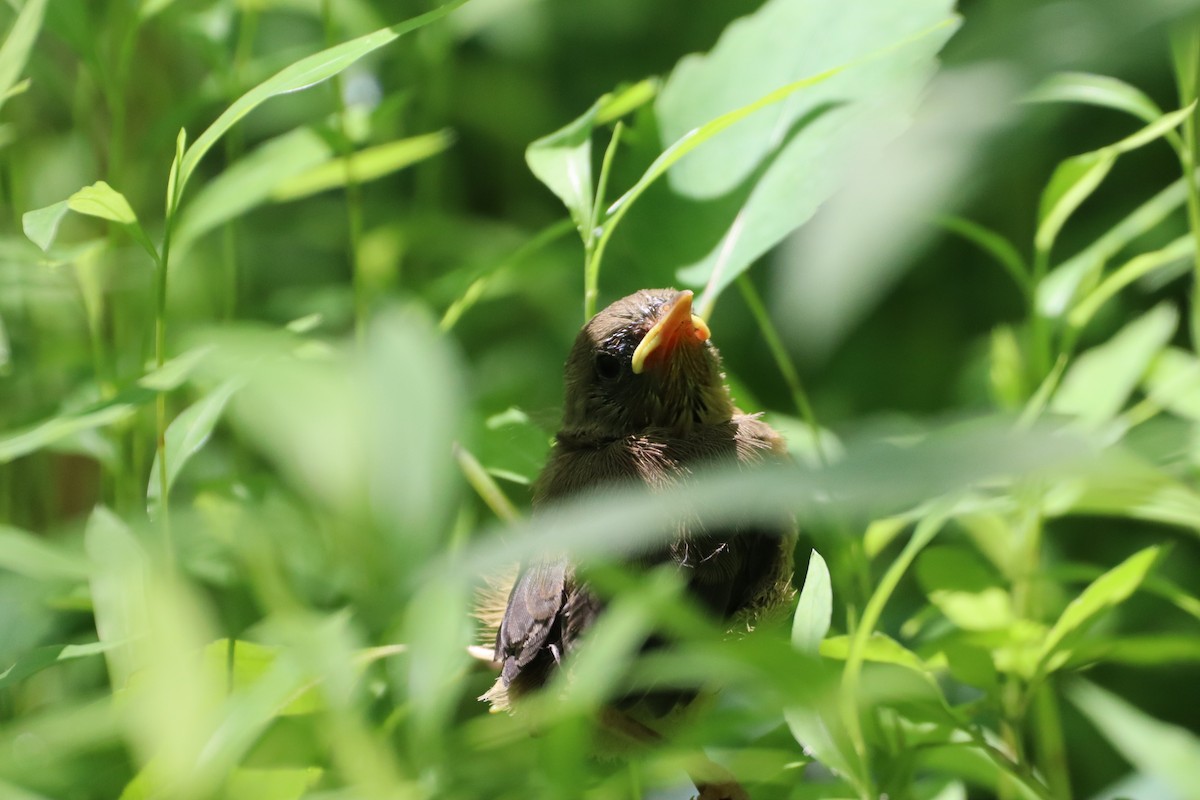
[[532, 616]]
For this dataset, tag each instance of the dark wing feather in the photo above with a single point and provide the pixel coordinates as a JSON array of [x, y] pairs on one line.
[[532, 621]]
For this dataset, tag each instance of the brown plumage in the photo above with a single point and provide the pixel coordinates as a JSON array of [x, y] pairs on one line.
[[646, 401]]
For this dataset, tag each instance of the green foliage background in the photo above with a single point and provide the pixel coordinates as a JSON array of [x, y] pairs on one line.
[[286, 287]]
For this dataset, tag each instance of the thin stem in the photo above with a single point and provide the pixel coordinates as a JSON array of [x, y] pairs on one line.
[[484, 485], [354, 212], [592, 243], [782, 361], [1187, 65], [1051, 746], [233, 148]]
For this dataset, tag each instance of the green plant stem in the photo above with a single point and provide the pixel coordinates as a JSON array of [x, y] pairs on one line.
[[247, 26], [925, 531], [484, 485], [354, 210], [1051, 746], [593, 244], [782, 361], [1187, 62]]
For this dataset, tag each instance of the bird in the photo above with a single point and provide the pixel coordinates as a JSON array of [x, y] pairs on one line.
[[645, 401]]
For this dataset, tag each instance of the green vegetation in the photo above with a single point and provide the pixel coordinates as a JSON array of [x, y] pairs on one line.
[[285, 291]]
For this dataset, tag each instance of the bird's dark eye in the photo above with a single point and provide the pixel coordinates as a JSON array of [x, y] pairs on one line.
[[608, 366]]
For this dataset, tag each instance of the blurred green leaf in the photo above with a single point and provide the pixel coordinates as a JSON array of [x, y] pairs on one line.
[[186, 434], [365, 165], [1136, 490], [1056, 294], [42, 658], [860, 67], [1075, 179], [1110, 589], [992, 243], [119, 571], [1153, 747], [249, 182], [36, 557], [98, 200], [964, 589], [879, 648], [1099, 382], [814, 610], [1137, 267], [18, 44], [15, 444], [301, 75], [1096, 90], [1174, 382]]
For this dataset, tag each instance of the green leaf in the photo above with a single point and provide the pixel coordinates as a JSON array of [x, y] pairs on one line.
[[879, 649], [964, 589], [39, 435], [1110, 589], [98, 200], [861, 67], [1077, 178], [1096, 90], [42, 658], [563, 162], [41, 225], [1097, 385], [35, 557], [120, 568], [1174, 382], [1137, 267], [1153, 747], [1073, 181], [186, 434], [1080, 272], [14, 53], [303, 74], [366, 165], [249, 182], [1137, 492], [814, 611]]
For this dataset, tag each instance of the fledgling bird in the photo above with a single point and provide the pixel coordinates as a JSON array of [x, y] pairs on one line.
[[645, 401]]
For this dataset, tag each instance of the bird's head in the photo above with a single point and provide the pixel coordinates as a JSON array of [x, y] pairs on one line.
[[644, 362]]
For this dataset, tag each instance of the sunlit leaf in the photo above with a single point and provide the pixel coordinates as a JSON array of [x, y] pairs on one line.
[[42, 658], [964, 589], [1110, 589], [1137, 267], [852, 70], [815, 608], [563, 162], [365, 165], [1099, 382], [301, 75]]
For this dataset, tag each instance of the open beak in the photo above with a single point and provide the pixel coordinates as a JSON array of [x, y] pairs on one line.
[[677, 326]]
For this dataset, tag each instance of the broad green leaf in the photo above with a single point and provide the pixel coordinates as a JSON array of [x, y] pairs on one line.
[[1097, 385], [249, 182], [623, 101], [271, 784], [1137, 267], [120, 569], [1080, 273], [186, 434], [964, 589], [563, 162], [1096, 90], [365, 165], [101, 200], [18, 44], [35, 557], [301, 75], [861, 67], [1110, 589], [814, 611], [879, 649], [1153, 747]]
